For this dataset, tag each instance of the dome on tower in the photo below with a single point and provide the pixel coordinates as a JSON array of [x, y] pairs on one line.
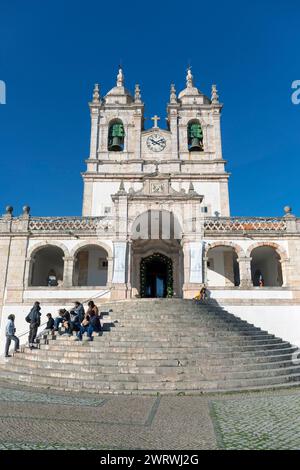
[[119, 94], [191, 94]]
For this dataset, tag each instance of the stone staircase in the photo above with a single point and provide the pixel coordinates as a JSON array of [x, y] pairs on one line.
[[160, 346]]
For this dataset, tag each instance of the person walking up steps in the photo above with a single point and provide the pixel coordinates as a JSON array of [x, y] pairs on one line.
[[10, 331], [34, 318]]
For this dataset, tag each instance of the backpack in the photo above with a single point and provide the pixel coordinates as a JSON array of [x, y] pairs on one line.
[[27, 318]]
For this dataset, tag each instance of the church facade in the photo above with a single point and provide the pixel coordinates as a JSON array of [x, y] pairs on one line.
[[155, 220]]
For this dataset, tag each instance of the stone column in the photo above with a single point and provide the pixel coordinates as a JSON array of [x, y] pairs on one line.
[[129, 264], [16, 269], [174, 133], [217, 132], [284, 269], [186, 262], [68, 271], [94, 132], [245, 272], [109, 270], [205, 261], [29, 262]]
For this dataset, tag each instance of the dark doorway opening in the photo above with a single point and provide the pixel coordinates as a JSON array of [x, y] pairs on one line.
[[156, 276]]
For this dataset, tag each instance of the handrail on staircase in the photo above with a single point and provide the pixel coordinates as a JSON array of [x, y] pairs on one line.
[[83, 302]]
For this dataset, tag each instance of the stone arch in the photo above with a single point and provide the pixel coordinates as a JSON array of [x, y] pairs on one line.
[[82, 244], [116, 135], [46, 263], [237, 248], [222, 267], [279, 249], [156, 224], [35, 248], [90, 264], [194, 130], [268, 264]]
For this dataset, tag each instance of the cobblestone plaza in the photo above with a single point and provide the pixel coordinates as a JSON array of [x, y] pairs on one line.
[[37, 420]]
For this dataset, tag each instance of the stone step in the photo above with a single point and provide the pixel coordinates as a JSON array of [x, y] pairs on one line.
[[186, 386], [161, 374], [160, 346], [73, 346], [29, 360], [193, 342], [135, 353], [128, 367]]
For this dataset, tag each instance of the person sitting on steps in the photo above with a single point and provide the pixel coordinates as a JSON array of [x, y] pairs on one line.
[[49, 326], [83, 327]]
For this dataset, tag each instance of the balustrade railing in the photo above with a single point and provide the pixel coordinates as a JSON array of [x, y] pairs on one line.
[[245, 224], [107, 225]]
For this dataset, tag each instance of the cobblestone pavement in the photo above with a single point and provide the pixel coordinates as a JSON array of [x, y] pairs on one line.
[[36, 419]]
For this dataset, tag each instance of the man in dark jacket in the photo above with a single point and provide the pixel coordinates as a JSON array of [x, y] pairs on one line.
[[34, 318]]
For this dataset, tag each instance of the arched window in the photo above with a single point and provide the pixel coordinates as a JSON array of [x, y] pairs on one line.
[[195, 136], [116, 135]]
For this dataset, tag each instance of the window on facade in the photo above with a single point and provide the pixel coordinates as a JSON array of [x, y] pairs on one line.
[[195, 136], [116, 136]]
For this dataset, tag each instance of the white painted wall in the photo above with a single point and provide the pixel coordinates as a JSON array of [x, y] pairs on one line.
[[280, 320], [102, 192], [211, 193], [97, 275], [216, 276]]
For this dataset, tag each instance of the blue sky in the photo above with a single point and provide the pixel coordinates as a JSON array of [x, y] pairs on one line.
[[52, 52]]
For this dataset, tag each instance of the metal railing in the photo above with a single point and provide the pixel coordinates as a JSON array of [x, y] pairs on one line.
[[83, 303]]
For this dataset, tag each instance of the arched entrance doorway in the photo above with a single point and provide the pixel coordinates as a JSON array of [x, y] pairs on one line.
[[156, 276]]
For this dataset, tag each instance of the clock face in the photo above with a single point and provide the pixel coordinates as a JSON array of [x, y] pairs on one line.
[[156, 142]]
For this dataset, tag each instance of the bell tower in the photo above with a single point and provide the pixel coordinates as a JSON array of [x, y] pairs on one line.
[[117, 121], [194, 121]]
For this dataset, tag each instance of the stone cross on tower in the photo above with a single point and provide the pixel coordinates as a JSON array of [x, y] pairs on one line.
[[155, 119]]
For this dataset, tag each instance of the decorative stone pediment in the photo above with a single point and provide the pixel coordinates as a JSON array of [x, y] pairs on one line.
[[161, 187]]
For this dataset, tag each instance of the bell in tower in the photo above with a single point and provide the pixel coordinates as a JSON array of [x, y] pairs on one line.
[[195, 137], [116, 137]]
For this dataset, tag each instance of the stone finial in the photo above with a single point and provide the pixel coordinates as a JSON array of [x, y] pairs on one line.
[[120, 77], [122, 188], [191, 188], [96, 94], [26, 211], [214, 95], [189, 78], [173, 97], [137, 94], [9, 210]]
